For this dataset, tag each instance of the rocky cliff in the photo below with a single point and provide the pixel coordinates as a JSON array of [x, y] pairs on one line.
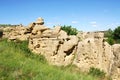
[[87, 49]]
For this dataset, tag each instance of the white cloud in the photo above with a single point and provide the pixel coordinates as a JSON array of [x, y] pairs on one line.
[[75, 22], [49, 23], [94, 24]]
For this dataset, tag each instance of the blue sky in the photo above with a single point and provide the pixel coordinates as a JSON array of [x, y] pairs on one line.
[[85, 15]]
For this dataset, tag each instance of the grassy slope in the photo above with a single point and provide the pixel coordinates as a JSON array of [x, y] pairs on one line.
[[18, 63]]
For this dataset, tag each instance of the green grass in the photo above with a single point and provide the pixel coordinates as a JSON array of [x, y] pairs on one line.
[[18, 63], [97, 72]]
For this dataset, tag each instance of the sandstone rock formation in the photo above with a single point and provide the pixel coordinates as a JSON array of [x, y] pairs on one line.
[[19, 33], [54, 44], [57, 49], [86, 50], [92, 51]]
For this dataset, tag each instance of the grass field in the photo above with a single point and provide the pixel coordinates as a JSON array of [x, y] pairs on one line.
[[18, 63]]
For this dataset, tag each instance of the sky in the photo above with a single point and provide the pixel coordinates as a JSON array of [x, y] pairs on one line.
[[85, 15]]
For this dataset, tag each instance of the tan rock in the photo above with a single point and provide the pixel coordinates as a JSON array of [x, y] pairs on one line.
[[67, 50], [115, 71], [62, 35], [31, 26], [47, 33], [38, 28], [45, 46], [94, 52], [56, 30], [40, 21]]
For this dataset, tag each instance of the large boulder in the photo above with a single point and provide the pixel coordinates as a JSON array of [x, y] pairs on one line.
[[38, 29], [94, 52], [66, 51], [62, 35], [56, 30]]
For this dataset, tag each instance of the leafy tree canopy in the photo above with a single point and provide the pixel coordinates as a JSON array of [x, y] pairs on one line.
[[116, 33], [113, 35], [70, 30]]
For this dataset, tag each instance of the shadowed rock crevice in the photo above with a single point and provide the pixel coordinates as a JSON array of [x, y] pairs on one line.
[[1, 33], [58, 46], [69, 51]]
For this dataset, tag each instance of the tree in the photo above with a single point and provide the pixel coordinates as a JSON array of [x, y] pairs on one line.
[[108, 33], [116, 33], [70, 30], [110, 41]]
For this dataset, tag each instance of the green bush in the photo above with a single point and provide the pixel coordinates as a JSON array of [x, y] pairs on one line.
[[113, 36], [69, 30], [110, 41], [108, 33], [96, 72], [116, 33]]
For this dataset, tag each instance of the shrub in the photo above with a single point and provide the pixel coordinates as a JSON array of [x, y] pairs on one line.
[[110, 41], [69, 30], [96, 72], [113, 36], [108, 33], [116, 33]]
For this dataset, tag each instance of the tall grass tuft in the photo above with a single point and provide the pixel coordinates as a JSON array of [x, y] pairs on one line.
[[96, 72]]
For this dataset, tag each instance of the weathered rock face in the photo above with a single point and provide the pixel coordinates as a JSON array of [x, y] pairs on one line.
[[94, 52], [23, 33], [6, 31], [54, 44], [57, 50], [115, 71], [18, 33]]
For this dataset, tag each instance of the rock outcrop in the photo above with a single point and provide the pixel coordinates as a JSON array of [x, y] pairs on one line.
[[54, 44], [86, 50], [93, 51]]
